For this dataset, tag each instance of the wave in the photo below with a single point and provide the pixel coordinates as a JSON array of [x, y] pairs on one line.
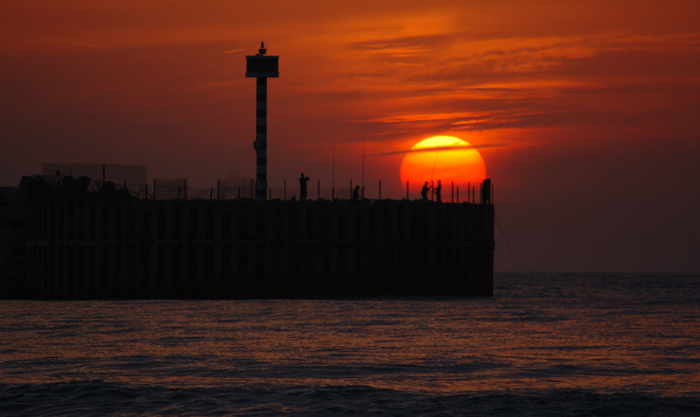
[[97, 398]]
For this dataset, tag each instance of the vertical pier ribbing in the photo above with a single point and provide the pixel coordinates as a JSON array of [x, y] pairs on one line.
[[244, 249]]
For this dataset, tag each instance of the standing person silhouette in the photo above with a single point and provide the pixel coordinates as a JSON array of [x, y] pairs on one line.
[[302, 187], [486, 191], [424, 191], [356, 193], [438, 192]]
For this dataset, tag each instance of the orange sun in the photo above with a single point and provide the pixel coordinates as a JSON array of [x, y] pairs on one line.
[[444, 158]]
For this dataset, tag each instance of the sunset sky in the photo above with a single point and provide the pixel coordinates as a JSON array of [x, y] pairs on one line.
[[586, 113]]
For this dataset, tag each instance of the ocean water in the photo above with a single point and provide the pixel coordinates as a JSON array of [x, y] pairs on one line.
[[544, 345]]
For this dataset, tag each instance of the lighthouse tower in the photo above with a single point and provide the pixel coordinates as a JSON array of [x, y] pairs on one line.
[[261, 67]]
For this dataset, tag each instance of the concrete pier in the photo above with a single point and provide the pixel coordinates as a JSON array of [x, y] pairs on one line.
[[246, 249]]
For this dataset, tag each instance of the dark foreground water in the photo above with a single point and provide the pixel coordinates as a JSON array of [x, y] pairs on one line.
[[544, 345]]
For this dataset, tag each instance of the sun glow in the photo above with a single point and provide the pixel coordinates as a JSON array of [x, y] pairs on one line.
[[444, 158]]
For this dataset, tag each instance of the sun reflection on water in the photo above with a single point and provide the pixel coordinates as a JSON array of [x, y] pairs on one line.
[[508, 343]]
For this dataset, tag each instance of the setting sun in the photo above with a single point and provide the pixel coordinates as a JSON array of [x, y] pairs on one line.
[[445, 158]]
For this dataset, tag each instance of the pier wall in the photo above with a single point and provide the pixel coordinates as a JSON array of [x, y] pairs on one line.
[[245, 249]]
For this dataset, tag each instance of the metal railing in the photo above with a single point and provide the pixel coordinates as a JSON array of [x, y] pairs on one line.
[[171, 189], [232, 189]]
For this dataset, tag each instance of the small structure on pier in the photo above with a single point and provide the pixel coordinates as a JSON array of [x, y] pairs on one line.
[[261, 67]]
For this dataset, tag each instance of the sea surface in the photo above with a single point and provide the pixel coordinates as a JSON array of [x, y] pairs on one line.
[[544, 345]]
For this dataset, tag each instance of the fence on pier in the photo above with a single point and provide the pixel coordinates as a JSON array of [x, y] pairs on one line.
[[245, 188], [131, 180]]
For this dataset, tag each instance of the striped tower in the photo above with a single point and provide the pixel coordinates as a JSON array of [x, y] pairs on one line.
[[261, 67], [260, 143]]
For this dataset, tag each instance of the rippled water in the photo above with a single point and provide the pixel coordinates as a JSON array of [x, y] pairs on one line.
[[545, 344]]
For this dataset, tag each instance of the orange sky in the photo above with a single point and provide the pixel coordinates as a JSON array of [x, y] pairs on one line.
[[586, 113]]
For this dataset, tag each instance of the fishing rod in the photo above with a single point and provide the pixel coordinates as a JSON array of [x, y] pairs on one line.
[[507, 245], [363, 167], [434, 165]]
